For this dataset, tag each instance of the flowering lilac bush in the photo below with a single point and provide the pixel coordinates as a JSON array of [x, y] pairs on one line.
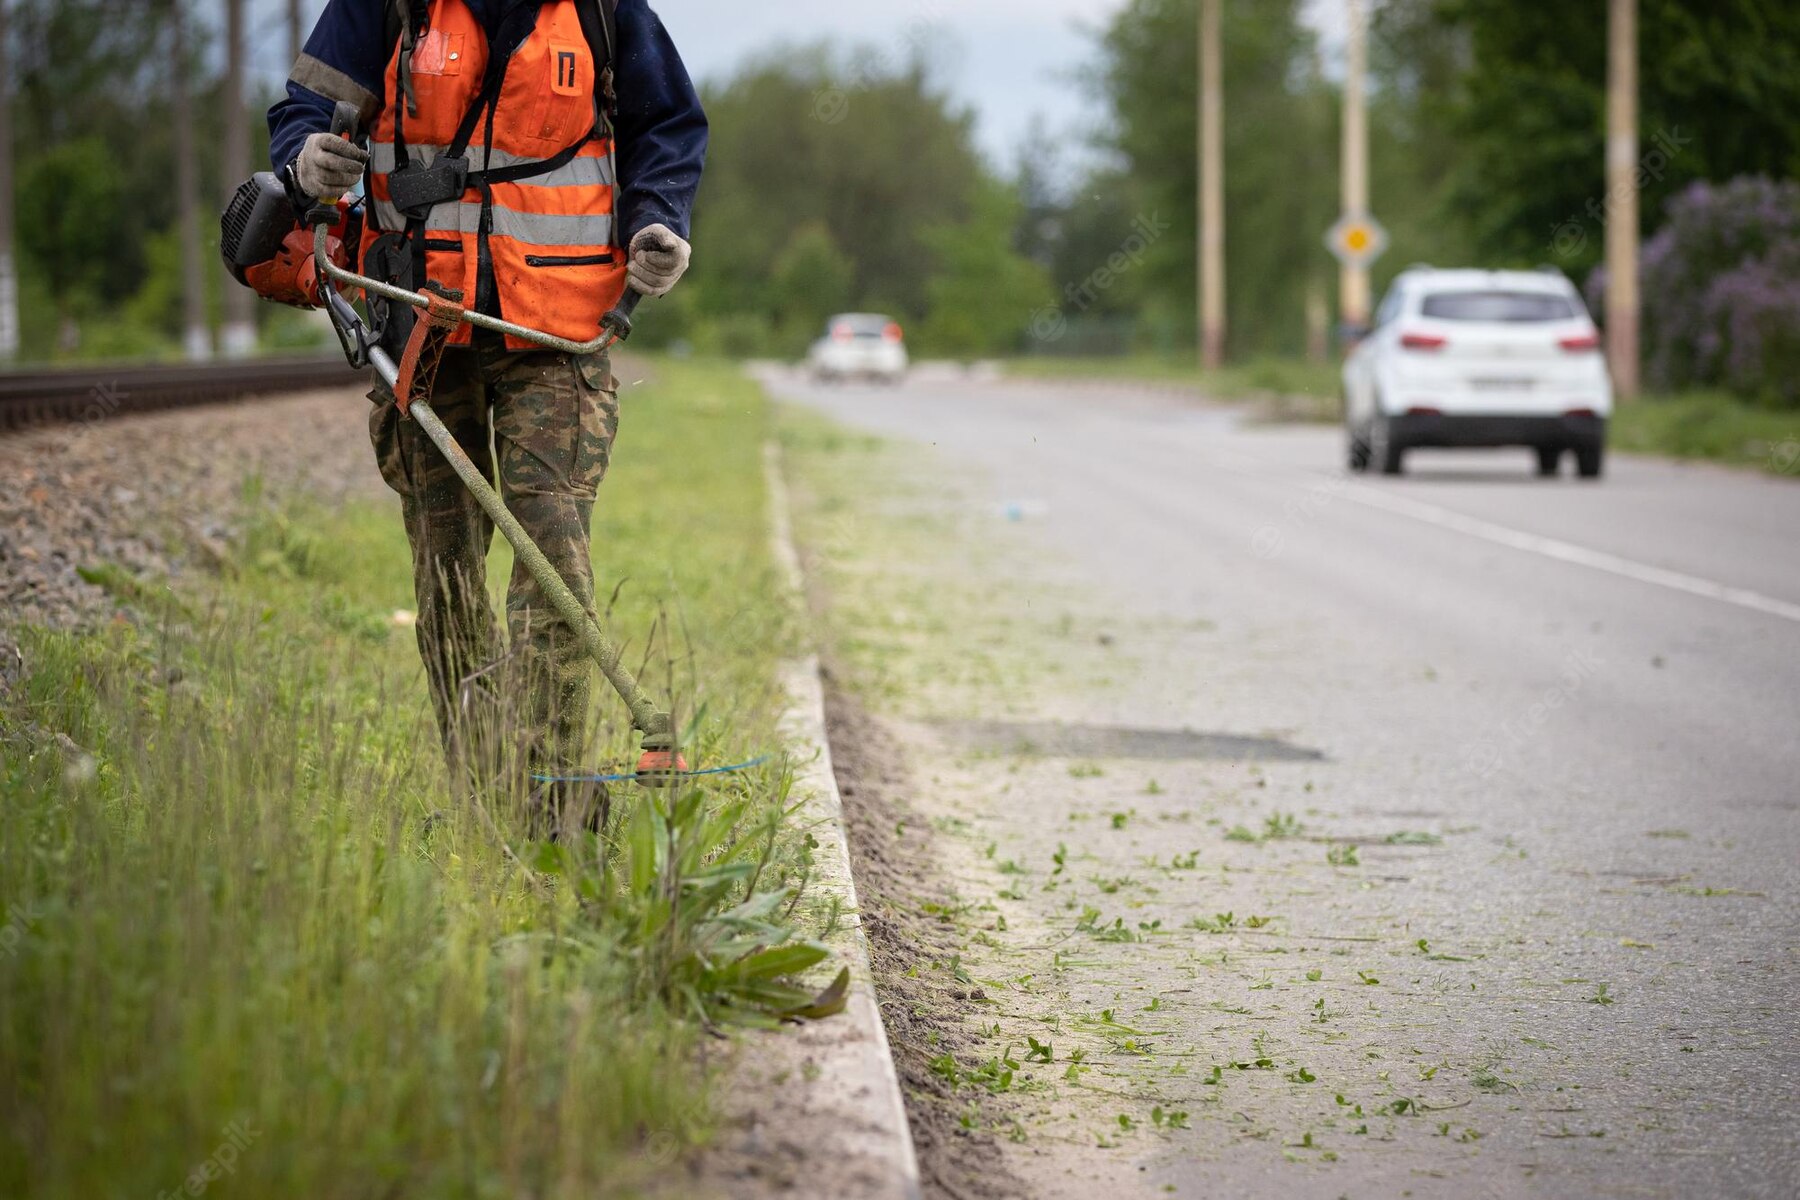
[[1721, 291]]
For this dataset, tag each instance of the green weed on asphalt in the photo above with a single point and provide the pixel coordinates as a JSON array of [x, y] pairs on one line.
[[247, 936], [916, 621]]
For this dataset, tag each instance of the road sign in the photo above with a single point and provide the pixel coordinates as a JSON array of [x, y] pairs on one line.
[[1357, 239]]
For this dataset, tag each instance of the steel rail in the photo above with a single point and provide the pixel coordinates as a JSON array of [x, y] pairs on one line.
[[88, 394]]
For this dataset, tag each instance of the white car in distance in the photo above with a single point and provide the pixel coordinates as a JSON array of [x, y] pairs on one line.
[[1479, 358], [859, 346]]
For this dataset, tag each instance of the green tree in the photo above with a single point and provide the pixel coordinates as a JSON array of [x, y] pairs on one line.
[[84, 76], [983, 293], [1280, 154], [64, 197], [1416, 62], [872, 152], [1518, 92], [813, 279]]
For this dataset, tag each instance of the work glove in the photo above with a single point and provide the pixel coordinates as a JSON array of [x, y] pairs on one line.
[[657, 260], [329, 166]]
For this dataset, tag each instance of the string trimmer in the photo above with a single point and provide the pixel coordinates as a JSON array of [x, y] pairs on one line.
[[267, 249]]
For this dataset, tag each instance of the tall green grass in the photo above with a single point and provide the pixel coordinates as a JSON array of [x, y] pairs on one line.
[[1713, 426], [250, 941]]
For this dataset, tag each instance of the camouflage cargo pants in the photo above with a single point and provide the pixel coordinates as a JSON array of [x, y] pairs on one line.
[[503, 710]]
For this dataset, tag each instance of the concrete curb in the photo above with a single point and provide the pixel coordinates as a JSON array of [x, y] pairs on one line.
[[855, 1096]]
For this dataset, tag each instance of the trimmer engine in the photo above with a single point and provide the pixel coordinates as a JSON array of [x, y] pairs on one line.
[[267, 249]]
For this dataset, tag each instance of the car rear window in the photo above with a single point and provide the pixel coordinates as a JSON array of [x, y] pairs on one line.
[[861, 326], [1498, 306]]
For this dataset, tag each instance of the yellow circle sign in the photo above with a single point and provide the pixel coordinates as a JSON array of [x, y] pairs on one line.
[[1357, 239]]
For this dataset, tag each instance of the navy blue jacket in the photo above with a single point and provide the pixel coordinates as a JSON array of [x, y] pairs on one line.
[[661, 127]]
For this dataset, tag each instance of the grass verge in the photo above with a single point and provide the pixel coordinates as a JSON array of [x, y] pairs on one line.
[[1711, 426], [245, 931], [1283, 389]]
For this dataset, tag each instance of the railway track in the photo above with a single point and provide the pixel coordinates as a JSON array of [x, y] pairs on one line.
[[30, 398]]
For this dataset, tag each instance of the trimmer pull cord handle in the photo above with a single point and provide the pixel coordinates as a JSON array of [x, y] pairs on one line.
[[344, 119]]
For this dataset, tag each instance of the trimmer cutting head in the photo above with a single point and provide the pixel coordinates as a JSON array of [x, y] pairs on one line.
[[660, 768]]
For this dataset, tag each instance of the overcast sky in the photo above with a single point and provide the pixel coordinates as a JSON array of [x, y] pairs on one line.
[[1010, 60]]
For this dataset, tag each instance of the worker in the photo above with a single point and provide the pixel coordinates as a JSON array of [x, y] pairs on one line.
[[514, 146]]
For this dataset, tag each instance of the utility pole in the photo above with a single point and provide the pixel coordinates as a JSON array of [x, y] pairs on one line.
[[239, 334], [196, 338], [1622, 198], [1212, 190], [295, 31], [9, 267], [1353, 279]]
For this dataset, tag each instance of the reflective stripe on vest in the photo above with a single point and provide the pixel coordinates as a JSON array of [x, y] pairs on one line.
[[581, 172], [549, 237], [540, 229]]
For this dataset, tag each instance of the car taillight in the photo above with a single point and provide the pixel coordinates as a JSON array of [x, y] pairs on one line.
[[1585, 343], [892, 332], [1423, 410], [842, 333], [1422, 341], [1581, 412]]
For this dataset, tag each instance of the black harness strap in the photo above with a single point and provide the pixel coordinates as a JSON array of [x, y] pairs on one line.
[[414, 23], [599, 24], [599, 28]]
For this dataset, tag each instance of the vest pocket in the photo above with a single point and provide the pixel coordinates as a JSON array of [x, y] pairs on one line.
[[568, 260]]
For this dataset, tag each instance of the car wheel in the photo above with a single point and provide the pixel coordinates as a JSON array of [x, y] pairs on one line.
[[1590, 461], [1387, 457], [1357, 451], [1549, 460]]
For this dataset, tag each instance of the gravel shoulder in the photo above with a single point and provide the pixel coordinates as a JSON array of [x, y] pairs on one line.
[[158, 494]]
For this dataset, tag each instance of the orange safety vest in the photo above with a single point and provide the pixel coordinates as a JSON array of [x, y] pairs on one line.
[[537, 208]]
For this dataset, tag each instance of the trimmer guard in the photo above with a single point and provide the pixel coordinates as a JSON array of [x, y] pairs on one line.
[[418, 366]]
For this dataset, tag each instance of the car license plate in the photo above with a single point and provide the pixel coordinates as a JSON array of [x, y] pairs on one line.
[[1502, 384]]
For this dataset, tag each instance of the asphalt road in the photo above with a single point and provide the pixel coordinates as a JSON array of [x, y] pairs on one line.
[[1592, 693]]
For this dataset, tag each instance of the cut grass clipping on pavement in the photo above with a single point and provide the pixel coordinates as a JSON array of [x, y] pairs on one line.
[[245, 931]]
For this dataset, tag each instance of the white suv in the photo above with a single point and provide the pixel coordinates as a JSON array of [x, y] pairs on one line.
[[1479, 358], [859, 346]]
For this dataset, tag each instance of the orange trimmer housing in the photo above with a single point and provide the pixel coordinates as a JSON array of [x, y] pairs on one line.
[[292, 276]]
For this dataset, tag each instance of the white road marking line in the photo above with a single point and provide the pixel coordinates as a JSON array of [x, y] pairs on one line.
[[1568, 552]]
